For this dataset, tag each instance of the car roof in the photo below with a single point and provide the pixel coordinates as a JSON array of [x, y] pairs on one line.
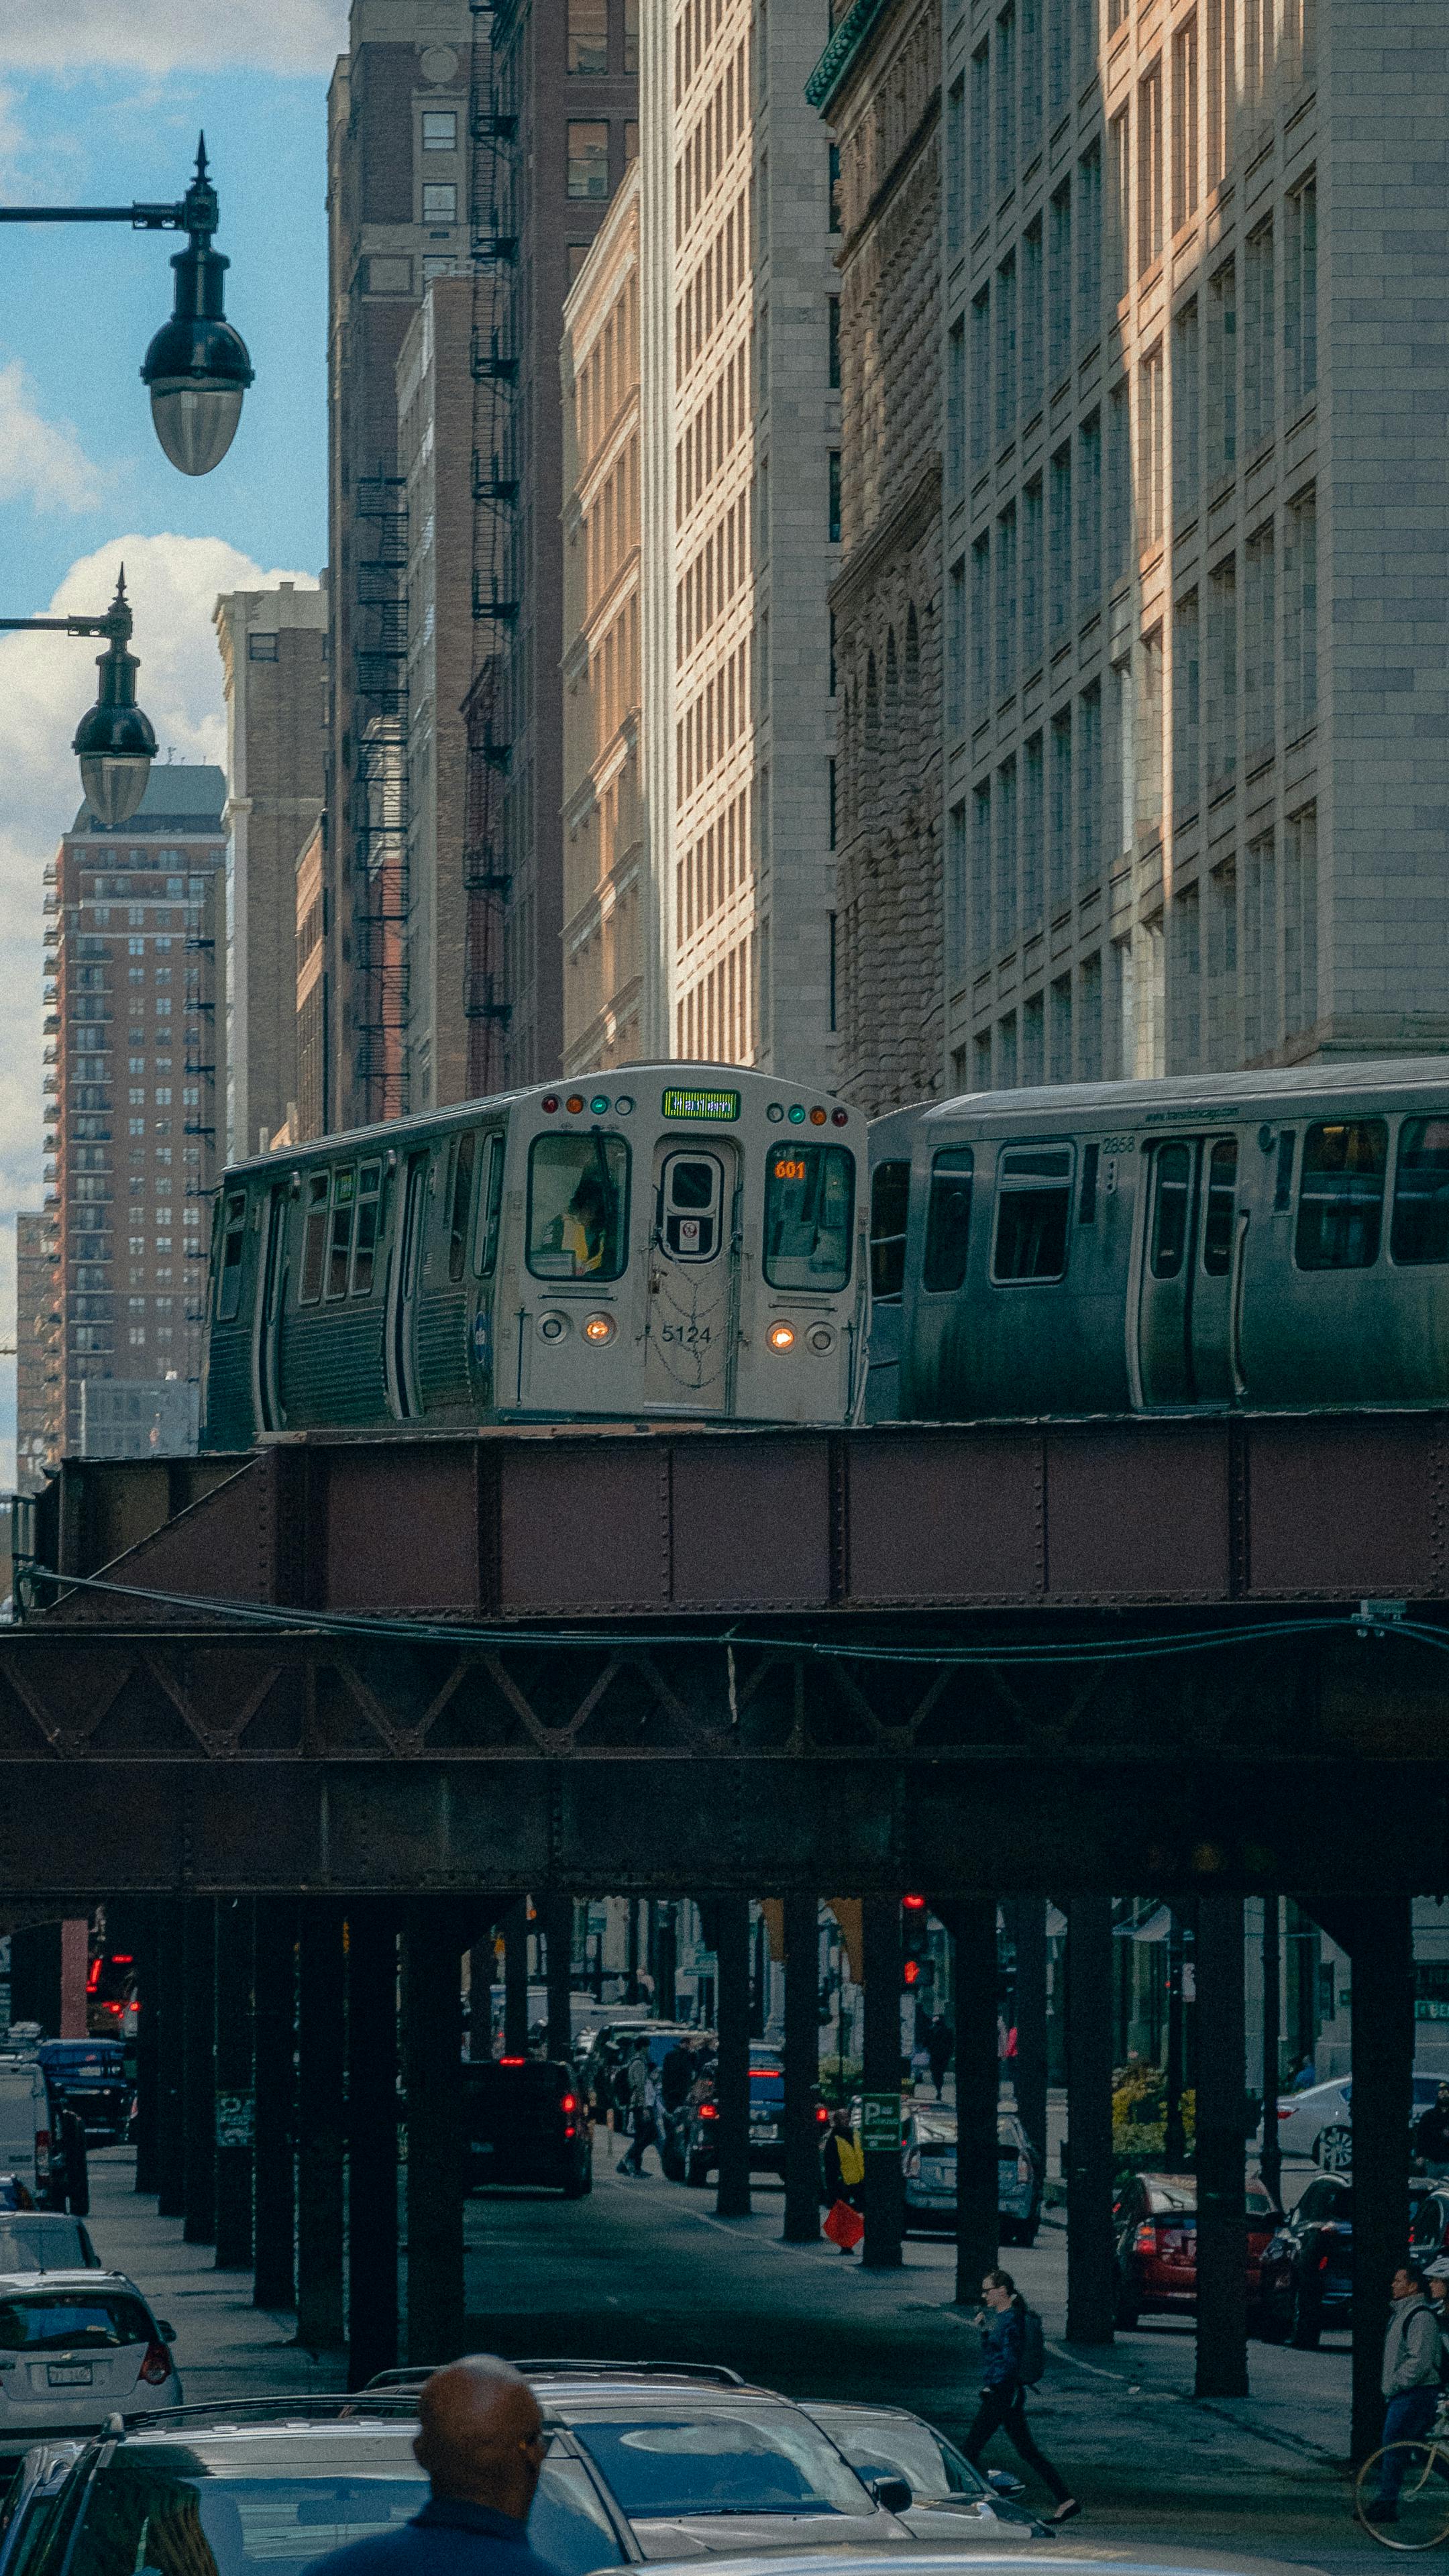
[[60, 2276], [566, 2387], [894, 2560]]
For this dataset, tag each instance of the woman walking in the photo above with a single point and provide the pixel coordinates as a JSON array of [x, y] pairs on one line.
[[1003, 2396]]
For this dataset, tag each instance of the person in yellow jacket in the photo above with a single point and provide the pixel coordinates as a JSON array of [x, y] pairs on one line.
[[843, 2165]]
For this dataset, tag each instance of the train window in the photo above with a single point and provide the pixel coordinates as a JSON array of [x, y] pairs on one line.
[[1283, 1181], [490, 1200], [462, 1203], [948, 1218], [339, 1251], [228, 1286], [364, 1249], [691, 1206], [578, 1200], [1033, 1196], [890, 1199], [1341, 1195], [1172, 1199], [809, 1209], [314, 1239], [1421, 1192], [1087, 1202], [1222, 1197]]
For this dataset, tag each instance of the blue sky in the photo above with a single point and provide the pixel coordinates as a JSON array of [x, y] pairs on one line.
[[101, 103]]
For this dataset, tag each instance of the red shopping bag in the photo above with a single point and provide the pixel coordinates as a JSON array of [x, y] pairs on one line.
[[844, 2226]]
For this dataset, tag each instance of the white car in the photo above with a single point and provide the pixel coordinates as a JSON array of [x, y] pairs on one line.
[[1302, 2117], [75, 2347]]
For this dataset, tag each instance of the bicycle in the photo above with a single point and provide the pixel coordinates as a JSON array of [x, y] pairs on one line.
[[1423, 2509]]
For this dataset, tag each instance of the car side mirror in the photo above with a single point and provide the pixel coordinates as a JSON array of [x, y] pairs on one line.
[[892, 2494], [167, 2331]]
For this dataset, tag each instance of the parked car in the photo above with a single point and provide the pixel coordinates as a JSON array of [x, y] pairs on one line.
[[526, 2120], [278, 2483], [886, 2441], [928, 2166], [695, 2128], [612, 2045], [30, 2501], [76, 2347], [1155, 2219], [1303, 2117], [978, 2556], [89, 2077], [1429, 2232]]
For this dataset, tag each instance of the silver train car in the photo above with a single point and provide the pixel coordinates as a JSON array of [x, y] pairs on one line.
[[675, 1240], [1264, 1239]]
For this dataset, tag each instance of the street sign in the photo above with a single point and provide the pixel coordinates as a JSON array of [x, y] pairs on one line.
[[880, 2123], [235, 2119]]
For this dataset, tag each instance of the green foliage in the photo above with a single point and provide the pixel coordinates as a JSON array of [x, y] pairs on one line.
[[1139, 2115]]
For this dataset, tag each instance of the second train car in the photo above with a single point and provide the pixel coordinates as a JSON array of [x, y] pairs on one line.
[[680, 1241]]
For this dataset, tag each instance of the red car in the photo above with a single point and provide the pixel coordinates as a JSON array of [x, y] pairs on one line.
[[1155, 2221]]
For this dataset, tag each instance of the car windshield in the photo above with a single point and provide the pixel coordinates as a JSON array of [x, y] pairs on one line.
[[95, 2320], [900, 2446], [735, 2459], [938, 2129], [40, 2244], [220, 2509]]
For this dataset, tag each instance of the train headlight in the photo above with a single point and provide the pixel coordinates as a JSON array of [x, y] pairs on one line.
[[781, 1337], [599, 1328], [552, 1328], [820, 1338]]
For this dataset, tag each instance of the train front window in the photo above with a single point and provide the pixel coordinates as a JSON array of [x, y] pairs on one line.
[[461, 1204], [691, 1205], [339, 1252], [490, 1200], [1222, 1200], [228, 1289], [1421, 1192], [578, 1201], [890, 1199], [364, 1250], [809, 1207], [1171, 1201], [1341, 1195], [948, 1218], [314, 1238], [1033, 1200]]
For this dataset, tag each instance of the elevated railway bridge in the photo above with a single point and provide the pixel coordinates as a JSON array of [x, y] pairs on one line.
[[304, 1712]]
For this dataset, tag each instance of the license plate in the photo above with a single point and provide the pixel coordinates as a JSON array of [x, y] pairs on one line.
[[63, 2374], [762, 2137]]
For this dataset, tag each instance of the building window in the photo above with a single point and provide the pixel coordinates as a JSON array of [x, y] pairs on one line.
[[1185, 708], [1060, 281], [1186, 441], [1222, 643], [1033, 834], [1300, 297], [1006, 351], [1260, 337], [1005, 100], [980, 374], [1006, 599], [631, 36], [980, 135], [389, 276], [835, 225], [588, 37], [1061, 541], [1061, 813], [1006, 855], [955, 171], [440, 201], [981, 875], [1149, 448], [1119, 174], [980, 630], [956, 891], [1222, 373], [1089, 784], [588, 159], [1260, 627], [1149, 168], [438, 264], [832, 314], [1300, 619], [834, 503], [1089, 244], [1032, 572], [440, 129], [1184, 124], [1089, 512], [261, 648]]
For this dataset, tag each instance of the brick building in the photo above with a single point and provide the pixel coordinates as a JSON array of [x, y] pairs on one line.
[[272, 646], [37, 1342], [605, 859], [878, 84]]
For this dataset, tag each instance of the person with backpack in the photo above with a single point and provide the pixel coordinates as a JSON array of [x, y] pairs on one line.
[[1014, 2355]]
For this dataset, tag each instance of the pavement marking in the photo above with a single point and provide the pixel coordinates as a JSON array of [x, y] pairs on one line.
[[1092, 2367]]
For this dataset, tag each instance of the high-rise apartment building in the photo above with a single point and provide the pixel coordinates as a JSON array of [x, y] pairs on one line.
[[37, 1342], [135, 1079], [272, 646], [605, 858], [741, 536], [1196, 520]]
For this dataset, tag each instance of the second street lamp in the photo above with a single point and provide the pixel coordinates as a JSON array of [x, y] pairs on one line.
[[115, 742]]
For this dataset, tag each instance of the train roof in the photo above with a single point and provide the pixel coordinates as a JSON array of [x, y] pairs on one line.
[[1167, 1098]]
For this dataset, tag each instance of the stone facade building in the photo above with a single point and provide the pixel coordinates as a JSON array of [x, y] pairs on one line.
[[605, 860], [37, 1344], [878, 84]]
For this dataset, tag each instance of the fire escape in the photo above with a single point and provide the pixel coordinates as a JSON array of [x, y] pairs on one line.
[[379, 816]]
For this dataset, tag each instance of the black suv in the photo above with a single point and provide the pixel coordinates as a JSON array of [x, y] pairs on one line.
[[1307, 2275], [525, 2120], [694, 2135]]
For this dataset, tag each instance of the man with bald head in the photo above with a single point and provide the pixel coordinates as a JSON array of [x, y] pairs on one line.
[[481, 2440]]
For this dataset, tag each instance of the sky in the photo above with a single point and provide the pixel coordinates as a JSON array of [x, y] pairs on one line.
[[101, 102]]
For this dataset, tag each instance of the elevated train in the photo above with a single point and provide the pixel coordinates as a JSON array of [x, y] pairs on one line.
[[680, 1241]]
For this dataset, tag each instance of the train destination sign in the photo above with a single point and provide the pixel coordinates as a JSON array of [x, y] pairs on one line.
[[705, 1108]]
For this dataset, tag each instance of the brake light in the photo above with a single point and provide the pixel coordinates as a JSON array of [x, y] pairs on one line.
[[1145, 2240], [709, 2110], [156, 2368], [569, 2102], [513, 2061], [1285, 2110], [42, 2155], [1023, 2169], [822, 2116], [1323, 2262]]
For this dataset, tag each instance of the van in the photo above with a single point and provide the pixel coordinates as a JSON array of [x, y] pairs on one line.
[[25, 2125]]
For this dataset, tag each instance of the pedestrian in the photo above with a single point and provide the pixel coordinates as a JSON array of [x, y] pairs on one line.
[[1003, 2395], [1410, 2382], [1305, 2075], [643, 2099], [842, 2165], [940, 2042], [1431, 2134], [481, 2442]]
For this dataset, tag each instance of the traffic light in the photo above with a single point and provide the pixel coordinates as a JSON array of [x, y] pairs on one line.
[[915, 1944]]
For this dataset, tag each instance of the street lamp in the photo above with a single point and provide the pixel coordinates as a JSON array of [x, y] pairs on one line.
[[114, 741], [197, 368]]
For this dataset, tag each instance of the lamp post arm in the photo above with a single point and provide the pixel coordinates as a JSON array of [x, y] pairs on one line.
[[141, 218], [108, 625]]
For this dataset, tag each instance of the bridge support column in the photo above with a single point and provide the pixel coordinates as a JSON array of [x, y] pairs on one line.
[[971, 1922], [1026, 1928], [320, 2126], [556, 1914], [1091, 2301], [142, 1917], [1383, 2063], [235, 2087], [433, 2044], [666, 2001], [372, 2141], [515, 1978], [1270, 2163], [170, 2011], [1222, 2226], [881, 2078], [802, 2068], [274, 2283], [732, 2068], [199, 2071]]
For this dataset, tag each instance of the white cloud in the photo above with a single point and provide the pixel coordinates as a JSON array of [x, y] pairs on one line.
[[46, 684], [163, 36], [41, 461]]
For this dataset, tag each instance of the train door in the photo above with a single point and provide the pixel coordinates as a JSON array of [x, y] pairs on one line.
[[693, 1300], [271, 1289], [402, 1382], [1187, 1314]]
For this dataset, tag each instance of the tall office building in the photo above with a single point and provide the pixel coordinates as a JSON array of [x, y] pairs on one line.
[[1196, 524], [605, 858], [272, 652], [135, 1079]]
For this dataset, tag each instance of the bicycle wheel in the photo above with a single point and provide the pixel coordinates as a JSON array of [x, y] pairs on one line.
[[1421, 2520]]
